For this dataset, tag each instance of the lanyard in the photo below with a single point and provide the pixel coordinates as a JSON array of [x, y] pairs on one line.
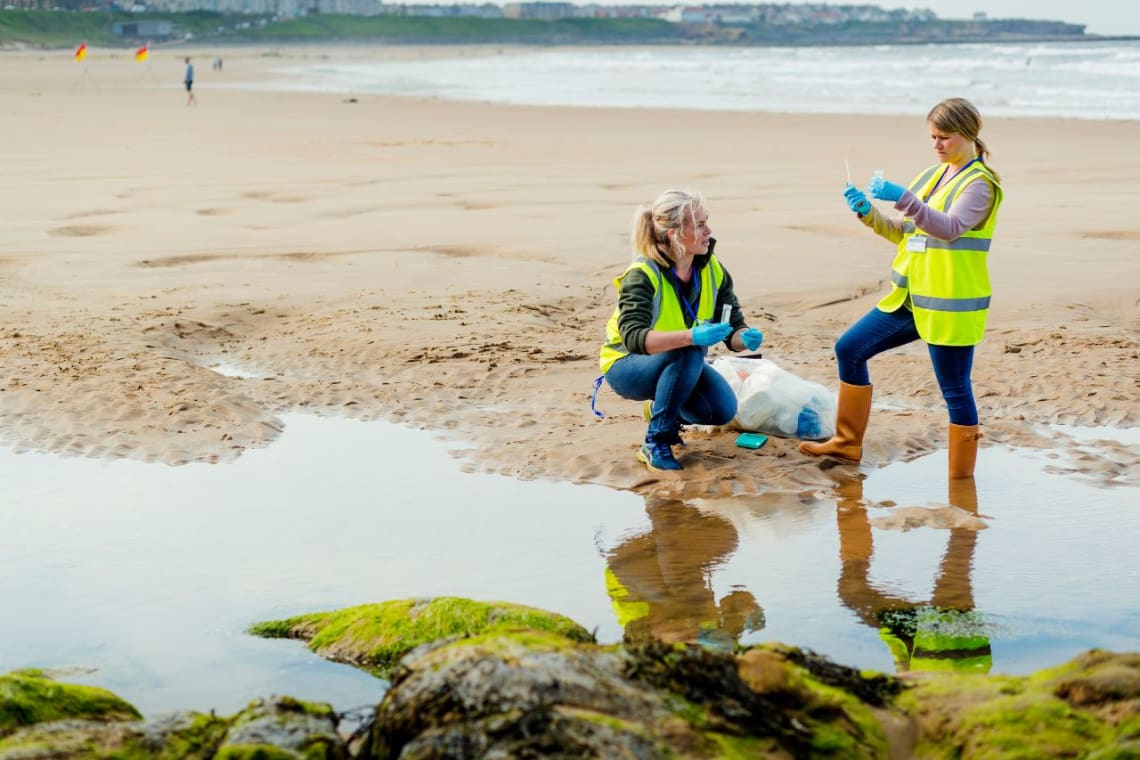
[[939, 182], [681, 296]]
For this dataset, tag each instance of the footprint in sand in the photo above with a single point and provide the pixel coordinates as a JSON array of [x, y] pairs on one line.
[[266, 195], [81, 230], [1111, 234], [92, 212], [213, 212]]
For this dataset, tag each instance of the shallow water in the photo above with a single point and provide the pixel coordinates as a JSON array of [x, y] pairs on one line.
[[1082, 80], [142, 578]]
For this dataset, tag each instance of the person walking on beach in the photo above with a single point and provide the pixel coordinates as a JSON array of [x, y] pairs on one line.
[[941, 286], [674, 301], [188, 80]]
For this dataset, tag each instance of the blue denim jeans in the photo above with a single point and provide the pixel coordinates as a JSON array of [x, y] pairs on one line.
[[684, 389], [879, 331]]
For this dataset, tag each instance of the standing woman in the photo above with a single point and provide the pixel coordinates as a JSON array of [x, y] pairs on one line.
[[669, 301], [941, 290]]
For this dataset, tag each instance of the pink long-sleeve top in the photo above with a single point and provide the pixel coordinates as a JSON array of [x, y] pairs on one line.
[[968, 211]]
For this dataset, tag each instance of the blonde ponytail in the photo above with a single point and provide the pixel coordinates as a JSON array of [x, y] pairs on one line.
[[651, 224]]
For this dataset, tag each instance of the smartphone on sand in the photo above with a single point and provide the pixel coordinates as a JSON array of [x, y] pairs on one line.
[[751, 440]]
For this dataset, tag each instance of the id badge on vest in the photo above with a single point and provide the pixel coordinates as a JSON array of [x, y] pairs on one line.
[[916, 244]]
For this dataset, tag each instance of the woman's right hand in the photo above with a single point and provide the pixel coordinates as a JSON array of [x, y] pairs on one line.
[[711, 333], [856, 200]]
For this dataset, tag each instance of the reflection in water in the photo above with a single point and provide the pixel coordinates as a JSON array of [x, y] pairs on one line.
[[660, 581], [943, 633]]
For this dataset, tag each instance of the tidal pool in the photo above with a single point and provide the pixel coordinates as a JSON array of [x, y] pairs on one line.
[[142, 578]]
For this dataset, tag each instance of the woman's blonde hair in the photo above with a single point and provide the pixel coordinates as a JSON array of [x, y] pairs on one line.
[[651, 224], [959, 116]]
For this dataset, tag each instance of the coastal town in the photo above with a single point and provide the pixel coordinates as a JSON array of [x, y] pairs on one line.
[[771, 15]]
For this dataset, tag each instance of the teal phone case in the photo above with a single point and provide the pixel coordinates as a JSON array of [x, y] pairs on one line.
[[751, 440]]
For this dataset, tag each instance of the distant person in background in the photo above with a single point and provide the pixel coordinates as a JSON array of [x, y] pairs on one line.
[[674, 301], [188, 80], [941, 291]]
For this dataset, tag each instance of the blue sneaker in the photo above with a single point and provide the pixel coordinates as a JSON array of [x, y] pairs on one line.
[[658, 456]]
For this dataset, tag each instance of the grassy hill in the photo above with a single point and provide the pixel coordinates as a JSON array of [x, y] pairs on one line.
[[64, 29]]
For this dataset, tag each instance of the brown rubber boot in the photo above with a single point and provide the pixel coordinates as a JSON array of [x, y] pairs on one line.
[[963, 450], [963, 494], [850, 425]]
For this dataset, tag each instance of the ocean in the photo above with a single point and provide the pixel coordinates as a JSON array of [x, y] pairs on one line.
[[1082, 80]]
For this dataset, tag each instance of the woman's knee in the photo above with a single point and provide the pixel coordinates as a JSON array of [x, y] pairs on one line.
[[720, 402], [722, 410], [850, 349]]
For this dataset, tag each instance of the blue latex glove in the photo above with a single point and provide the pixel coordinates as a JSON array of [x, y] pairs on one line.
[[711, 333], [856, 200], [882, 190], [752, 338]]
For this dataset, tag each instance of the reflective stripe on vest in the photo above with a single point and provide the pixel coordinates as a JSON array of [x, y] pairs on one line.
[[946, 284], [668, 314]]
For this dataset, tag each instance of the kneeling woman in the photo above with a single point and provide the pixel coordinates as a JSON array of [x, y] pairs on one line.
[[657, 338]]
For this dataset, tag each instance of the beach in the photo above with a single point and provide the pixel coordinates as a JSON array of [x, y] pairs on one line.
[[176, 278]]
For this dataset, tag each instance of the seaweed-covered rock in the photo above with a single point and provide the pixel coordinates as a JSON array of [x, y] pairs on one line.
[[485, 680], [531, 694], [304, 729], [375, 636], [28, 697], [169, 737], [280, 728], [1088, 707]]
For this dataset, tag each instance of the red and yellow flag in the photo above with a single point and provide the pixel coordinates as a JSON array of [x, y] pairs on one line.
[[143, 53], [81, 51]]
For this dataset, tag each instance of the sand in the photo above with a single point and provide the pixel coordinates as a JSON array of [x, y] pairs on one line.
[[448, 265]]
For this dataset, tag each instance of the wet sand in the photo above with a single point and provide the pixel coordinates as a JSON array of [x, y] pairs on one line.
[[447, 265]]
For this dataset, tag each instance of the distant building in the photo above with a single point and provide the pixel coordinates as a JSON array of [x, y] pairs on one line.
[[144, 30], [710, 14], [548, 11]]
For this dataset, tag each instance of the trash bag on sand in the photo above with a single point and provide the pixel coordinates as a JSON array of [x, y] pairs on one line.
[[774, 401]]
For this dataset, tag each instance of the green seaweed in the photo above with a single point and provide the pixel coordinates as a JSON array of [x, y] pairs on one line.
[[377, 635], [28, 698]]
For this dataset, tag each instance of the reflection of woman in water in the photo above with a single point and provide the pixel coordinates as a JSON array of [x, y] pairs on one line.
[[660, 581], [941, 634]]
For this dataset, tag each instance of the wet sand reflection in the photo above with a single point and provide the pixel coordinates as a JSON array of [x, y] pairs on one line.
[[942, 633], [660, 581]]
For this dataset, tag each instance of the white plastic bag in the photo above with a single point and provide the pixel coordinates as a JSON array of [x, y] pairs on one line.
[[774, 401]]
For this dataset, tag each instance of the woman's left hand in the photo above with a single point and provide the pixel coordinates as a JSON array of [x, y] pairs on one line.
[[752, 338], [882, 190]]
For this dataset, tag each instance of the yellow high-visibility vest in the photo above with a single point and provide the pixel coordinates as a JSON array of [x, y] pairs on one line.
[[945, 282], [626, 607], [668, 314]]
